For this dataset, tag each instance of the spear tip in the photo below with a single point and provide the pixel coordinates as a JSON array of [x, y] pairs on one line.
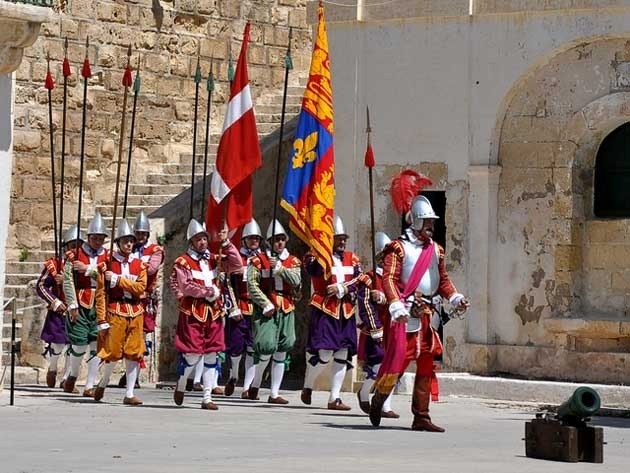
[[369, 128], [87, 44], [65, 46]]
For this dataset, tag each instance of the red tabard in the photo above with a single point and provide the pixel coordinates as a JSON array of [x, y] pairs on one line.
[[280, 298], [332, 305], [200, 308], [85, 285], [116, 304]]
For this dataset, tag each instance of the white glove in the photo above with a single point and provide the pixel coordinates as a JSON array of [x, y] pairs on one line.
[[215, 294], [234, 313], [456, 299], [341, 290], [397, 310]]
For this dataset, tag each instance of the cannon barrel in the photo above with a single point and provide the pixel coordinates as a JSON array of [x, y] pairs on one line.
[[584, 402]]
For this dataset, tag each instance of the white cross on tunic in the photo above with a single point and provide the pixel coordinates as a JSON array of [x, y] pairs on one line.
[[124, 273], [206, 274], [277, 280], [339, 271]]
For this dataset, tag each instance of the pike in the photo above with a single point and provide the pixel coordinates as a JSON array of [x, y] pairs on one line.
[[49, 84], [369, 163], [192, 179], [66, 74], [126, 82], [136, 90], [86, 73], [288, 65], [210, 89]]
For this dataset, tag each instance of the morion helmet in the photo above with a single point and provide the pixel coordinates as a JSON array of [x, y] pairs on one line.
[[195, 228], [123, 230], [279, 230], [142, 223], [97, 225], [252, 229], [420, 209]]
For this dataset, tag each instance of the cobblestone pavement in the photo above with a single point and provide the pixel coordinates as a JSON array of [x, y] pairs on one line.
[[49, 431]]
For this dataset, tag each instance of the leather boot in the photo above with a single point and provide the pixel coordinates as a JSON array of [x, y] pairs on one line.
[[51, 378], [376, 408], [68, 386], [420, 406]]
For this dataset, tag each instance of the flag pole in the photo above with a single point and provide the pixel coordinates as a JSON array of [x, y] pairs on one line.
[[136, 90], [210, 89], [66, 74], [194, 152], [288, 65], [49, 84], [369, 163], [126, 81], [86, 73]]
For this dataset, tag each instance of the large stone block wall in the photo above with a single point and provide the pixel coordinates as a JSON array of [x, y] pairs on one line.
[[166, 44]]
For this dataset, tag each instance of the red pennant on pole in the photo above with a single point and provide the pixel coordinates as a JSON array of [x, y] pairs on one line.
[[49, 83], [86, 72], [369, 157], [66, 67], [127, 80]]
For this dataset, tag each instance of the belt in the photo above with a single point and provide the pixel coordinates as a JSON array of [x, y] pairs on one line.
[[128, 300]]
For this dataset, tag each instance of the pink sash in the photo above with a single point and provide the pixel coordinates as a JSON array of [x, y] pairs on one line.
[[396, 349]]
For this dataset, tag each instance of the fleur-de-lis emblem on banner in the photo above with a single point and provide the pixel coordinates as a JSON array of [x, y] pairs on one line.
[[304, 151]]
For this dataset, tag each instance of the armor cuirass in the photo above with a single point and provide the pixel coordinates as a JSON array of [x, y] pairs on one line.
[[430, 279]]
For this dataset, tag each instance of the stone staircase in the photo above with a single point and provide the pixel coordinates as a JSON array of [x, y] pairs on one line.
[[162, 182]]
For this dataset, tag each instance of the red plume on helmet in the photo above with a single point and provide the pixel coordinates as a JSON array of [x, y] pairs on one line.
[[404, 187]]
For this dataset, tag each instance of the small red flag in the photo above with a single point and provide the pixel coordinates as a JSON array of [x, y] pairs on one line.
[[86, 72], [66, 67], [127, 81], [49, 83], [369, 157]]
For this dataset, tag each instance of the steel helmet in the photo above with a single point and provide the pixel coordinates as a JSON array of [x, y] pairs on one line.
[[71, 235], [279, 230], [420, 209], [97, 225], [252, 229], [123, 230], [195, 228], [339, 229], [142, 223]]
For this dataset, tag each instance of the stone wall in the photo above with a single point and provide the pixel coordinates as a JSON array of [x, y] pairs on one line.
[[165, 43]]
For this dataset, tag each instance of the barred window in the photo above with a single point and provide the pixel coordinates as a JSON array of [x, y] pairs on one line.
[[612, 175]]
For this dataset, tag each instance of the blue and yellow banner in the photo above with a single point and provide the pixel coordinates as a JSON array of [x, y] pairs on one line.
[[309, 187]]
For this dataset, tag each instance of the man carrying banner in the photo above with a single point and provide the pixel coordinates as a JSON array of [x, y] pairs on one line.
[[332, 325], [414, 273], [200, 337]]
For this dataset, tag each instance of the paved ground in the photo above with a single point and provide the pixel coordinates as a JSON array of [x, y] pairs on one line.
[[49, 431]]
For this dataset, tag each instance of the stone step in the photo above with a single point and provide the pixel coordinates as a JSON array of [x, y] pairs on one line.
[[183, 179], [185, 159], [158, 189], [266, 128], [149, 200], [132, 212], [276, 109], [17, 279], [23, 267], [173, 168], [14, 290]]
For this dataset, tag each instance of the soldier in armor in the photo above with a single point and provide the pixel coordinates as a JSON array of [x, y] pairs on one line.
[[332, 326], [240, 338], [414, 273], [152, 255], [272, 278], [120, 312], [79, 283], [50, 289], [373, 323], [197, 282]]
